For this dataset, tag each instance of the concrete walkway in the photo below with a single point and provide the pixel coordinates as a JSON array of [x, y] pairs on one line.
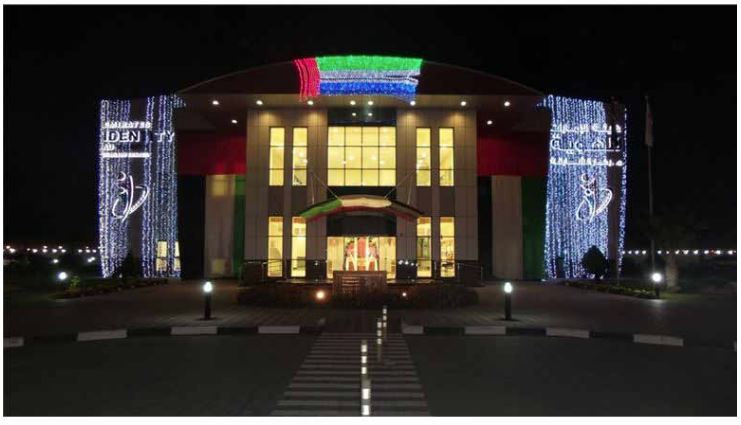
[[534, 305]]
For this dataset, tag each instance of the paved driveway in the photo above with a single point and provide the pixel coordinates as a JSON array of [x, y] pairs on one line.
[[306, 375], [534, 304]]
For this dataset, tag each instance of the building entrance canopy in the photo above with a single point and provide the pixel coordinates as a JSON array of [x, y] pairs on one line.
[[346, 203]]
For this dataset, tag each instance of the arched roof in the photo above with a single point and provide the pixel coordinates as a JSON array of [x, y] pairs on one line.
[[434, 79]]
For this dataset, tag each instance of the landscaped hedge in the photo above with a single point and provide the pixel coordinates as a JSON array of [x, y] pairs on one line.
[[291, 296], [633, 289], [105, 286]]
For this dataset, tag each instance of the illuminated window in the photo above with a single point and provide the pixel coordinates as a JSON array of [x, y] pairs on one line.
[[361, 156], [161, 260], [447, 246], [275, 246], [176, 266], [361, 253], [424, 248], [161, 263], [423, 157], [277, 150], [298, 247], [447, 157], [300, 158]]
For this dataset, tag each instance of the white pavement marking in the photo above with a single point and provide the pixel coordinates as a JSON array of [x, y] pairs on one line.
[[279, 329], [194, 330], [299, 412], [328, 383], [486, 330], [101, 335], [13, 342], [571, 333], [658, 339]]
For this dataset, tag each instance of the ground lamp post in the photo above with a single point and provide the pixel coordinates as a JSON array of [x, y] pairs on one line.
[[62, 276], [207, 289], [507, 301], [656, 278]]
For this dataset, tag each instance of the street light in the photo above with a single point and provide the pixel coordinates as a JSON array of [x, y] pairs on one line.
[[657, 278], [207, 289], [507, 301]]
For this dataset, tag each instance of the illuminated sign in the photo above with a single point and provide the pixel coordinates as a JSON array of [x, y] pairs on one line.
[[137, 185]]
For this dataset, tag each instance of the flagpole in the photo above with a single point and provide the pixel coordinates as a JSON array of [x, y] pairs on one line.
[[649, 146]]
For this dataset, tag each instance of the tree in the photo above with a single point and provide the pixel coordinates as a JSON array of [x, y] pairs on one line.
[[674, 229], [595, 263], [128, 268]]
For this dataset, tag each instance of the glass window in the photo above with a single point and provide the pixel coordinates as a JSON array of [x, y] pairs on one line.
[[387, 136], [423, 157], [298, 247], [277, 148], [361, 253], [176, 266], [447, 157], [275, 246], [424, 247], [161, 260], [361, 156], [161, 263], [300, 156], [447, 246]]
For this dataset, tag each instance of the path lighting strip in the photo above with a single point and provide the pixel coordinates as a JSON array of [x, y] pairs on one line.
[[585, 149], [643, 252]]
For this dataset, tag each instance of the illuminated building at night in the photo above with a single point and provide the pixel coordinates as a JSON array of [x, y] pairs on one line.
[[300, 169]]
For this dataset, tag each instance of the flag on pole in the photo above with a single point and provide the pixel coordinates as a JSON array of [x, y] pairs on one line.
[[649, 137]]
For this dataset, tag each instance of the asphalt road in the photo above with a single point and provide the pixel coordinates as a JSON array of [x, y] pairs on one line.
[[459, 375], [531, 376]]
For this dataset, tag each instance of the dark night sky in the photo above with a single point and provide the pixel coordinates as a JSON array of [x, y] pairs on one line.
[[60, 60]]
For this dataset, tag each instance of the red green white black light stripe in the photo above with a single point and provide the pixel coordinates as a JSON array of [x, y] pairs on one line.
[[358, 75]]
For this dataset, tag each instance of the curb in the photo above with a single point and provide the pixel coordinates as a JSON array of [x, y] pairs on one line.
[[498, 330], [103, 335]]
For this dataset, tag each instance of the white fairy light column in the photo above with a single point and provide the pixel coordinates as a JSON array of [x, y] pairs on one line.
[[586, 184], [137, 184]]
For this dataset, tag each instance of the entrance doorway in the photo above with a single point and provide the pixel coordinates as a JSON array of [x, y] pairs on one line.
[[361, 253]]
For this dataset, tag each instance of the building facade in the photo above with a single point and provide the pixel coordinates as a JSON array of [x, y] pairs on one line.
[[296, 170]]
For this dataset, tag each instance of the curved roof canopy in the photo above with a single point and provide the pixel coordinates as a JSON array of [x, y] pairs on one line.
[[347, 203], [360, 74]]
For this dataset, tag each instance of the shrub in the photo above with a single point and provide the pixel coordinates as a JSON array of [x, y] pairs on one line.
[[595, 263], [635, 289]]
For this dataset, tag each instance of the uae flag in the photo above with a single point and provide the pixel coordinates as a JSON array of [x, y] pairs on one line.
[[649, 137]]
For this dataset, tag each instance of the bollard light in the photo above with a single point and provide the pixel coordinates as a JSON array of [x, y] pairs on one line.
[[62, 276], [207, 289], [320, 295], [404, 294], [657, 278], [507, 301]]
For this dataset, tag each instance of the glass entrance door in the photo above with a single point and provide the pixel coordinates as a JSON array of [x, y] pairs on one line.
[[361, 253]]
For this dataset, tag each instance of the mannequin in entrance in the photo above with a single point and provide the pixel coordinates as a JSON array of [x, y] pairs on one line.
[[350, 256], [372, 259]]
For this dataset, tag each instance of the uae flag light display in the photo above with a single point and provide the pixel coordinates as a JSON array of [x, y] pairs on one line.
[[358, 75]]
